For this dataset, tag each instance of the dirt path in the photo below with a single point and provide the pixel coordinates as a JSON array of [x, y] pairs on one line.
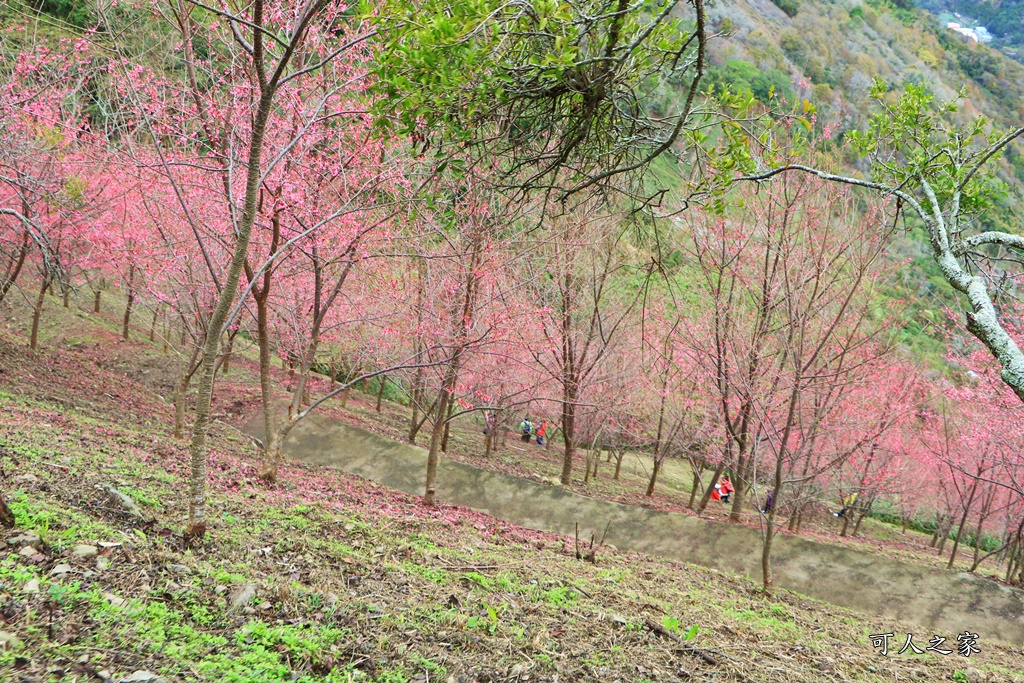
[[948, 603]]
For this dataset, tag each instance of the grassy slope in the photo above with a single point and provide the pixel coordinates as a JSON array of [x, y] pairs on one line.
[[353, 582]]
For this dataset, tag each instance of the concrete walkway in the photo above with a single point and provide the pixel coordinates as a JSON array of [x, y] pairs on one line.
[[946, 603]]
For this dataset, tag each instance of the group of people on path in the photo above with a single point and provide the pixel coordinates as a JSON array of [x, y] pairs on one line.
[[532, 429]]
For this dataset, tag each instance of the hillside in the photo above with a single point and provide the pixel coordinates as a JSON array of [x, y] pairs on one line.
[[330, 578]]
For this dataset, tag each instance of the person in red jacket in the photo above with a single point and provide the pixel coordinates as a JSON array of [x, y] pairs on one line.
[[727, 489], [542, 432]]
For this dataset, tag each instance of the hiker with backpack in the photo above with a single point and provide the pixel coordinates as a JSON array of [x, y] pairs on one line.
[[526, 427]]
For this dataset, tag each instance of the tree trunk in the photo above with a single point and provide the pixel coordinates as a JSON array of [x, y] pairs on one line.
[[654, 477], [96, 301], [864, 511], [447, 427], [744, 462], [181, 392], [152, 325], [66, 296], [620, 455], [37, 312], [434, 455], [225, 363], [271, 446], [960, 529], [697, 483], [15, 267], [196, 528], [130, 302], [793, 518], [946, 530], [380, 390], [568, 435], [167, 333]]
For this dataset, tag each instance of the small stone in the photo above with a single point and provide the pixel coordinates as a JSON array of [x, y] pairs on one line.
[[177, 568], [140, 677], [114, 600], [265, 605], [88, 574], [85, 551], [242, 595], [28, 551], [60, 569], [331, 599], [31, 587], [9, 641], [220, 590], [26, 479], [104, 674], [25, 539], [618, 619], [172, 587], [974, 675]]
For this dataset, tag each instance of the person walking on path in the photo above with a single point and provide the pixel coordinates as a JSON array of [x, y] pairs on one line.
[[768, 502], [847, 504], [527, 428], [542, 431]]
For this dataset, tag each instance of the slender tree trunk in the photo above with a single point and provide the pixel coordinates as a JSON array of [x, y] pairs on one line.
[[414, 422], [433, 455], [620, 455], [791, 526], [568, 434], [697, 483], [96, 301], [946, 530], [271, 446], [66, 299], [181, 393], [960, 529], [152, 325], [167, 333], [196, 528], [744, 462], [380, 390], [863, 512], [15, 268], [37, 312], [418, 392], [130, 302], [447, 427], [225, 363], [986, 506]]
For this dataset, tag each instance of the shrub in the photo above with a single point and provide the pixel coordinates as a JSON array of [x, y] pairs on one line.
[[790, 7]]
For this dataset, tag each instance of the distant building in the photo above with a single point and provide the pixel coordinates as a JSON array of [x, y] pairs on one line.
[[978, 34]]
